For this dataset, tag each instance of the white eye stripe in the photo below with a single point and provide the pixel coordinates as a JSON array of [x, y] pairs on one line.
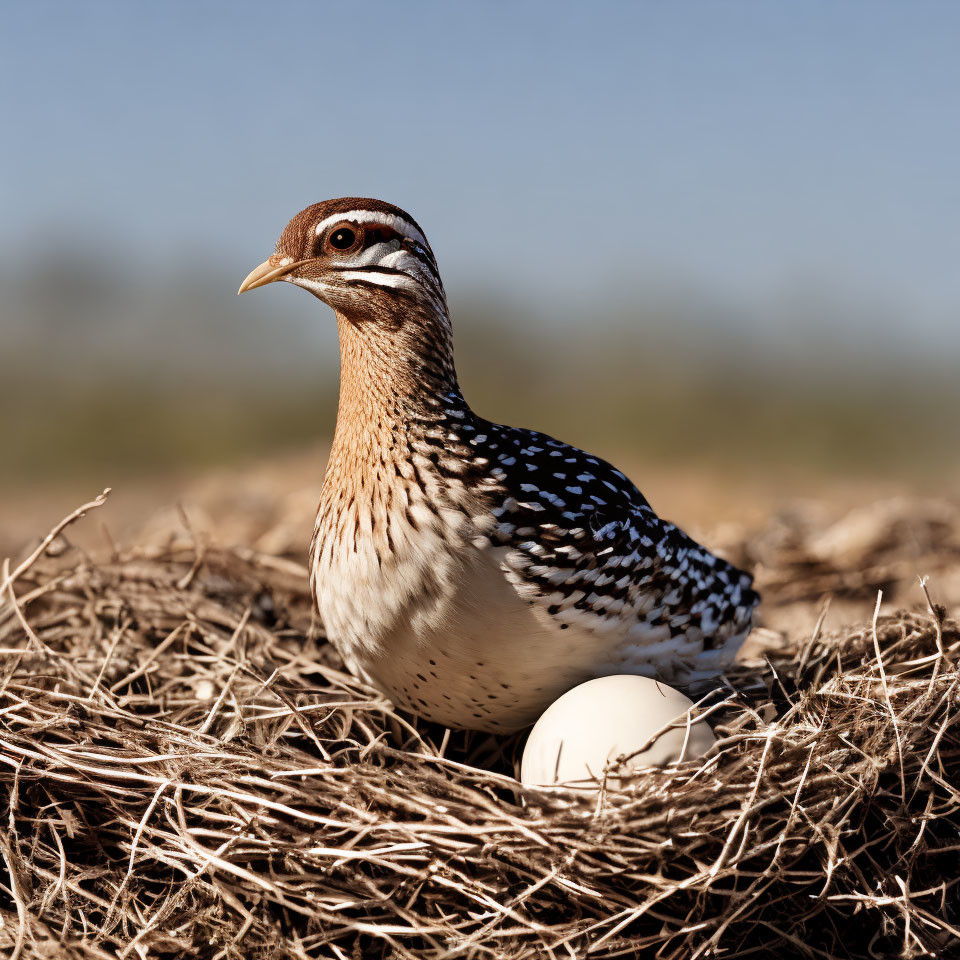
[[378, 279], [321, 288], [403, 227]]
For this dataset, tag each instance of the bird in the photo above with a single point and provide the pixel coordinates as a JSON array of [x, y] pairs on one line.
[[473, 572]]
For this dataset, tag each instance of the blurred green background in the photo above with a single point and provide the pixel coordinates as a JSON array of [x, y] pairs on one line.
[[717, 236]]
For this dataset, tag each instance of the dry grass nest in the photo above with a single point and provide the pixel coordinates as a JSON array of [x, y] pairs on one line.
[[186, 771]]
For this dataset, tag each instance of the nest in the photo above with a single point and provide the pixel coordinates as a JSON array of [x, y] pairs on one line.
[[186, 771]]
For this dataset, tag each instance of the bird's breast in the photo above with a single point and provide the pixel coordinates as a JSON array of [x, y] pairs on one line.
[[385, 550]]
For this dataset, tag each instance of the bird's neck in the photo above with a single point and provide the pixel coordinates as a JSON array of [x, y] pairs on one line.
[[392, 379]]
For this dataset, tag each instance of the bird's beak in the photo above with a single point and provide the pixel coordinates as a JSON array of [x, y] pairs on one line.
[[267, 272]]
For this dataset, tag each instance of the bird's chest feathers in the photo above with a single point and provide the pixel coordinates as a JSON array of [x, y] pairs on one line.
[[388, 547]]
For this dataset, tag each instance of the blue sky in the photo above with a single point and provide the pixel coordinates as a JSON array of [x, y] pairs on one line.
[[552, 151]]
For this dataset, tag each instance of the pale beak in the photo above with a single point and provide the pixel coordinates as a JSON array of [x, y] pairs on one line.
[[267, 272]]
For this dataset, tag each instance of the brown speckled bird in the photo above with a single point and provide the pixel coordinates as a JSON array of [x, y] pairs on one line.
[[473, 571]]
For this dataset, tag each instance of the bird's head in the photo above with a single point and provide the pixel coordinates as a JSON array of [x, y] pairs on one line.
[[363, 257]]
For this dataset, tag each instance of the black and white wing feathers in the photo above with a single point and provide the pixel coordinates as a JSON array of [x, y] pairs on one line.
[[584, 544]]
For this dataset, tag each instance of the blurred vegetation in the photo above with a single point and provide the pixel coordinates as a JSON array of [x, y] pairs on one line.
[[113, 380]]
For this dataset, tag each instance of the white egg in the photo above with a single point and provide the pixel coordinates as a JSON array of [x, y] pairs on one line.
[[606, 718]]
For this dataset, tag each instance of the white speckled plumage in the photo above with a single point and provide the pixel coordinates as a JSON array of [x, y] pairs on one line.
[[471, 570]]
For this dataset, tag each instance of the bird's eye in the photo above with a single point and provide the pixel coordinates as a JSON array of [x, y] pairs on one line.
[[344, 238]]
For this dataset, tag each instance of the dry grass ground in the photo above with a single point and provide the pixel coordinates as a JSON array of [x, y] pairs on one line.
[[185, 770]]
